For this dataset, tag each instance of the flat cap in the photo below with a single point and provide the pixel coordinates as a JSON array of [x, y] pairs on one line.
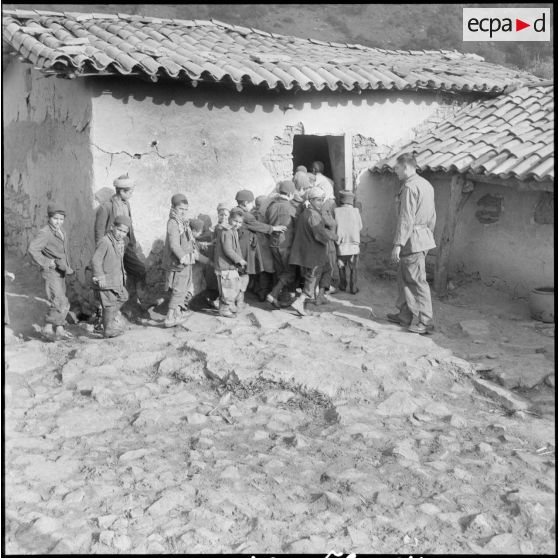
[[54, 208]]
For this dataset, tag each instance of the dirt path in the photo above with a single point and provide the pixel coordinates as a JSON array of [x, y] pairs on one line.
[[333, 432]]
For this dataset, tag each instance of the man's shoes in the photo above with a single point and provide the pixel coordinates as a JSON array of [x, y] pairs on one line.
[[298, 305], [420, 328], [395, 318], [320, 299], [355, 290]]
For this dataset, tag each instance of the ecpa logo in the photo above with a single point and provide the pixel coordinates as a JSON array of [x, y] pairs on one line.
[[506, 24]]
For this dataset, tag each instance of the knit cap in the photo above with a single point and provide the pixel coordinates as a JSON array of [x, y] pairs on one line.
[[196, 224], [177, 199], [124, 182], [346, 196], [244, 196]]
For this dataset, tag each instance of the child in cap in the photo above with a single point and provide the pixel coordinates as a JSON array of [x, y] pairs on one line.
[[211, 281], [109, 275], [178, 258], [50, 249], [229, 264], [349, 225]]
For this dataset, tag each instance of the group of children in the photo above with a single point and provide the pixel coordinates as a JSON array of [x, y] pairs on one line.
[[295, 241]]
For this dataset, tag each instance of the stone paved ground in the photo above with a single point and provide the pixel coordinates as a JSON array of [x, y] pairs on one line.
[[333, 432]]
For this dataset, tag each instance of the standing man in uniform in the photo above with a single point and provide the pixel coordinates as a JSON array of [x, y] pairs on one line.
[[414, 236], [104, 219]]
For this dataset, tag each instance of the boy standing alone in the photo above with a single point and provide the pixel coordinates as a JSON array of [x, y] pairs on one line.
[[49, 249]]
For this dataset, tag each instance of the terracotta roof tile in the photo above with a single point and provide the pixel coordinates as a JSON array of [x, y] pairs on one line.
[[509, 136], [312, 63]]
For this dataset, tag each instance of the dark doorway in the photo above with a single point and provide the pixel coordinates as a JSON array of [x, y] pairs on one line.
[[327, 149]]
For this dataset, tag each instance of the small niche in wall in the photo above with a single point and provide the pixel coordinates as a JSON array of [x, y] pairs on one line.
[[544, 210], [490, 209]]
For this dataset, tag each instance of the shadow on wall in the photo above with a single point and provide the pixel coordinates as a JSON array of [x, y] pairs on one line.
[[44, 162], [250, 99]]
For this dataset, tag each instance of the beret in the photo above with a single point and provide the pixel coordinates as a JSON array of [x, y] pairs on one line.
[[177, 199], [286, 187], [222, 206], [236, 211], [244, 195]]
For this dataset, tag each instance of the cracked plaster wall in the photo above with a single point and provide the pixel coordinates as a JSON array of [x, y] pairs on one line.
[[46, 157], [212, 142]]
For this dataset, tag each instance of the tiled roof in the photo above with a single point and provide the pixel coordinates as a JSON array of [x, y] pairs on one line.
[[511, 136], [75, 43]]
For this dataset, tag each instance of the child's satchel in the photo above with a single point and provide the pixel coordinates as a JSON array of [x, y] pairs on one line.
[[230, 283]]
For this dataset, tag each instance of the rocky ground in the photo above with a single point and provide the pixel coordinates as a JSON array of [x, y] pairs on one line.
[[275, 433]]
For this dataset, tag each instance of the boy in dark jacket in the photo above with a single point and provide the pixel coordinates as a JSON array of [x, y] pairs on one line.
[[309, 249], [228, 262], [104, 218], [281, 211], [248, 238], [109, 275], [49, 249], [178, 258]]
